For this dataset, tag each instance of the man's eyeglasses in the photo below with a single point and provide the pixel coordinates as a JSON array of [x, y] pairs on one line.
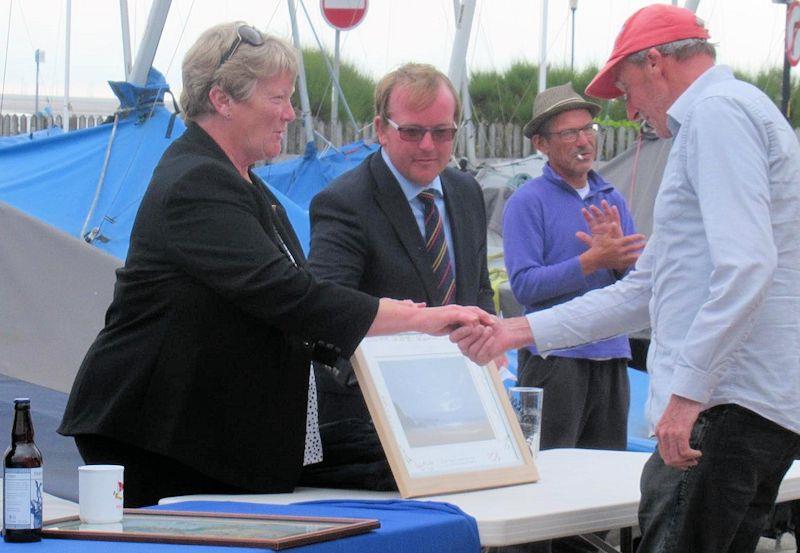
[[244, 33], [412, 133], [571, 135]]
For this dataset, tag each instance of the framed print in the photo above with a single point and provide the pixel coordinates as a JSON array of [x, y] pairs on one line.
[[204, 528], [445, 423]]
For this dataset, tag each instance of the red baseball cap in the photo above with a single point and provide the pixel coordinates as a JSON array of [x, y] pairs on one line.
[[650, 26]]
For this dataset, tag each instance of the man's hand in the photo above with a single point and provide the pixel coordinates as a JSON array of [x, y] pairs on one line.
[[674, 430], [483, 344], [602, 220], [608, 247]]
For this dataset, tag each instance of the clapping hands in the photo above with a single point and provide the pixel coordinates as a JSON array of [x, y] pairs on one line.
[[609, 248]]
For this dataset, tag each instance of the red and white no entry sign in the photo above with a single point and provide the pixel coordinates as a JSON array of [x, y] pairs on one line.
[[343, 14], [792, 32]]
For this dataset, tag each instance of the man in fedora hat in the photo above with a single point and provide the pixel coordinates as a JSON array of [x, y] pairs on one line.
[[585, 388], [718, 282]]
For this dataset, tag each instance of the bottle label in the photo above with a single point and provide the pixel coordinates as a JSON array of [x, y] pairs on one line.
[[22, 498]]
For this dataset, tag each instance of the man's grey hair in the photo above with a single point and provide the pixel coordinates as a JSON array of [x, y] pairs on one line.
[[679, 49]]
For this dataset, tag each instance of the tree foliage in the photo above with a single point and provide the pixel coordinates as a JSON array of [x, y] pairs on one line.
[[508, 96]]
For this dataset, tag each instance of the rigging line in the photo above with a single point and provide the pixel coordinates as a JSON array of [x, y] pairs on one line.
[[148, 118], [547, 52], [558, 34], [329, 66], [271, 17], [778, 43], [777, 39], [482, 35], [180, 37], [100, 179], [387, 34], [635, 168], [25, 24], [55, 66], [132, 158], [479, 25], [5, 62]]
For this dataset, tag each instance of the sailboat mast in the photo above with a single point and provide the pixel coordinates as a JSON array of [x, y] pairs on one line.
[[305, 104], [458, 69], [152, 35], [65, 112], [543, 49], [126, 37]]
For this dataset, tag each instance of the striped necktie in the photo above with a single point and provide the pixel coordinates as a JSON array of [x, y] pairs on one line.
[[436, 247]]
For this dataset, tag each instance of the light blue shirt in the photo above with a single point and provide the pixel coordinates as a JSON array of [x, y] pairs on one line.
[[410, 191], [719, 280]]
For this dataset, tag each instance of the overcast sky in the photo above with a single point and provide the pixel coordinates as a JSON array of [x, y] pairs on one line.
[[749, 34]]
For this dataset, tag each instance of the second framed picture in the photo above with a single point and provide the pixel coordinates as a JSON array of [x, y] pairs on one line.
[[445, 423]]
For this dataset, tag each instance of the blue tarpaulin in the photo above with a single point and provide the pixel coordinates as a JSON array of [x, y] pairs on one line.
[[13, 140], [55, 179], [301, 178]]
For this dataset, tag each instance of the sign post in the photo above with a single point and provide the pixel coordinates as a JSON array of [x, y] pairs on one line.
[[792, 51], [792, 32], [342, 15]]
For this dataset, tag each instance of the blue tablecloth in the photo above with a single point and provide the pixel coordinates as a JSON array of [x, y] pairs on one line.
[[418, 526]]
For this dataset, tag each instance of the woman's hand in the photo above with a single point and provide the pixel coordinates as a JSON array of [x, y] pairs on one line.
[[395, 316], [439, 321]]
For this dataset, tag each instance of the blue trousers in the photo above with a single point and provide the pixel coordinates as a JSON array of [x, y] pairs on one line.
[[722, 504]]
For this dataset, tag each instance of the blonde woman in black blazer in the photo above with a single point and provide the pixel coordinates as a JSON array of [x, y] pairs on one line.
[[199, 382]]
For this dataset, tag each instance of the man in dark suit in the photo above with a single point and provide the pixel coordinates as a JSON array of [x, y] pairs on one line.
[[401, 225]]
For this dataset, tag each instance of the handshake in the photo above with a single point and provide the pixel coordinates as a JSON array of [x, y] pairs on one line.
[[480, 336], [483, 337]]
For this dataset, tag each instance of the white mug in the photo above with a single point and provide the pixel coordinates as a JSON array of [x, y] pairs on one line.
[[100, 493]]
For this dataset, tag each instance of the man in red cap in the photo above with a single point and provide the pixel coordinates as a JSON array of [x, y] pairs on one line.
[[719, 283]]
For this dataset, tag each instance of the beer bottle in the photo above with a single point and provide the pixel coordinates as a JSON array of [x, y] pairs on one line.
[[22, 480]]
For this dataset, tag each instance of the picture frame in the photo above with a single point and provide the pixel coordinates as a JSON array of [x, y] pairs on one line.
[[445, 423], [210, 528]]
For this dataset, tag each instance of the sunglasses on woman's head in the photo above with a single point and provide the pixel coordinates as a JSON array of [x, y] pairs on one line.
[[244, 33]]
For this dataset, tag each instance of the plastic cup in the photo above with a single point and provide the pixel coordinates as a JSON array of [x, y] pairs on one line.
[[527, 404]]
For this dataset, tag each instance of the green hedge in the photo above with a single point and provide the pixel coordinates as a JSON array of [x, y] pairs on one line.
[[501, 96], [358, 88]]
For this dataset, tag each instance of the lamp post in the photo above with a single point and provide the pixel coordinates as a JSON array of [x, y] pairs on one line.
[[39, 57]]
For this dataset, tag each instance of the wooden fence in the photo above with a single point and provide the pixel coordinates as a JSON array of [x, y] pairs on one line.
[[21, 124], [492, 140]]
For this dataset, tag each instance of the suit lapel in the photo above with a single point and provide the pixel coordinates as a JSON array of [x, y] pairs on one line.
[[460, 226], [395, 207]]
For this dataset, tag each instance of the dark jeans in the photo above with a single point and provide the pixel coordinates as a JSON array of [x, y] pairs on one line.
[[722, 504], [148, 476]]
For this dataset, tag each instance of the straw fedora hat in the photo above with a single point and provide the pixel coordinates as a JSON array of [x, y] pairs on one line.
[[551, 102]]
